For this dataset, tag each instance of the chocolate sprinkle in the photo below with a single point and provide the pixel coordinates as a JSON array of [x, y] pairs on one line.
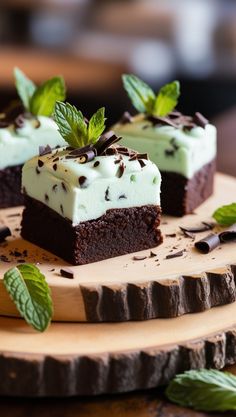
[[67, 273], [4, 232], [208, 243], [121, 170], [171, 235], [175, 255]]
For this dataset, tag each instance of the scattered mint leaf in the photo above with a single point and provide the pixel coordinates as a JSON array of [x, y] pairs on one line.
[[226, 215], [74, 128], [25, 87], [167, 99], [96, 125], [204, 390], [45, 96], [140, 94], [31, 294]]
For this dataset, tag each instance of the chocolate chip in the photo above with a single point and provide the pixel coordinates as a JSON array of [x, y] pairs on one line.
[[64, 187], [61, 208], [44, 150], [121, 170], [4, 232], [40, 163], [54, 187], [122, 196], [54, 167], [142, 163], [96, 164], [82, 181], [37, 170], [67, 273], [46, 197]]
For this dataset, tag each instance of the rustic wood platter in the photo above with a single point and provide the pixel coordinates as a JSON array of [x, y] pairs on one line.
[[96, 358], [122, 288]]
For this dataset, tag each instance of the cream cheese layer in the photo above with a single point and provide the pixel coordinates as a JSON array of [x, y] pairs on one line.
[[17, 145], [82, 192], [172, 149]]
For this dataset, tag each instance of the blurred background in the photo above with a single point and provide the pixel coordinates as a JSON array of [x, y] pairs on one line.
[[92, 42]]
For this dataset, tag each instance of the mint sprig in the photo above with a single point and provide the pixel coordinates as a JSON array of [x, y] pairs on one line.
[[30, 292], [145, 100], [226, 215], [75, 129], [204, 390], [39, 100]]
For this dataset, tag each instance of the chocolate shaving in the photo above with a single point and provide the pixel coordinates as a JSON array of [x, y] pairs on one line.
[[105, 141], [44, 150], [121, 170], [67, 273], [228, 235], [200, 120], [176, 254], [208, 243], [139, 257], [4, 232], [126, 118], [122, 196], [178, 120], [198, 229], [142, 163], [152, 254]]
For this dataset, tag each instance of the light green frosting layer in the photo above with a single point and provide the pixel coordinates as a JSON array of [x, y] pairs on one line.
[[19, 145], [173, 150], [82, 192]]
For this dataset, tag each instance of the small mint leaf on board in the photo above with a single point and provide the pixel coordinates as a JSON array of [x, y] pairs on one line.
[[226, 215], [204, 390], [24, 86], [45, 96], [30, 292], [140, 94], [167, 99], [96, 125], [71, 124]]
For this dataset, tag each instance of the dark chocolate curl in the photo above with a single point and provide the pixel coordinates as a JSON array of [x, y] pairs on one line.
[[105, 142], [208, 243], [200, 120], [228, 235]]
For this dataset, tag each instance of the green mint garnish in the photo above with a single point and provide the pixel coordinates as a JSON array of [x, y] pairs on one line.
[[226, 215], [74, 128], [25, 87], [31, 295], [204, 390], [39, 100], [145, 100]]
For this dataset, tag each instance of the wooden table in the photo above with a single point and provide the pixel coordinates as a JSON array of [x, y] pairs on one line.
[[142, 404]]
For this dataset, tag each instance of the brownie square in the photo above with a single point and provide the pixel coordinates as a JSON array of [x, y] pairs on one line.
[[10, 187], [118, 232], [180, 196]]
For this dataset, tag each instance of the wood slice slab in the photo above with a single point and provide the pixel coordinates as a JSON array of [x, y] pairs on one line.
[[97, 358], [122, 288]]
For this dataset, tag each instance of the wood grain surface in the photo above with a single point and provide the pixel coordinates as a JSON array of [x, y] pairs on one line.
[[122, 288]]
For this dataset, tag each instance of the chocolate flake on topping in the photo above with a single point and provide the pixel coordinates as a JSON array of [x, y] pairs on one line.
[[54, 167], [107, 194], [178, 120], [82, 181], [44, 150], [40, 163], [121, 170], [63, 186], [61, 208], [46, 197], [54, 188], [142, 163], [96, 164], [122, 196]]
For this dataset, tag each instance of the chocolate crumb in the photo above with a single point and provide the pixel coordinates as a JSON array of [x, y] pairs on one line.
[[176, 254], [54, 167], [152, 254], [121, 170], [52, 270], [37, 170], [139, 258], [46, 197], [67, 273], [96, 164]]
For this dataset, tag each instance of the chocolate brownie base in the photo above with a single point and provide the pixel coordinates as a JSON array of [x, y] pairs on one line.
[[10, 187], [180, 196], [118, 232]]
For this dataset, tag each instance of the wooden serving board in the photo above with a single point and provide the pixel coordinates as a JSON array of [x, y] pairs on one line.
[[97, 358], [121, 288]]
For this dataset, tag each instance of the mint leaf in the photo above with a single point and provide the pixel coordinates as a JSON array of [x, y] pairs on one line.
[[141, 95], [167, 99], [24, 86], [226, 215], [31, 295], [45, 96], [96, 125], [204, 390], [73, 127], [71, 124]]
